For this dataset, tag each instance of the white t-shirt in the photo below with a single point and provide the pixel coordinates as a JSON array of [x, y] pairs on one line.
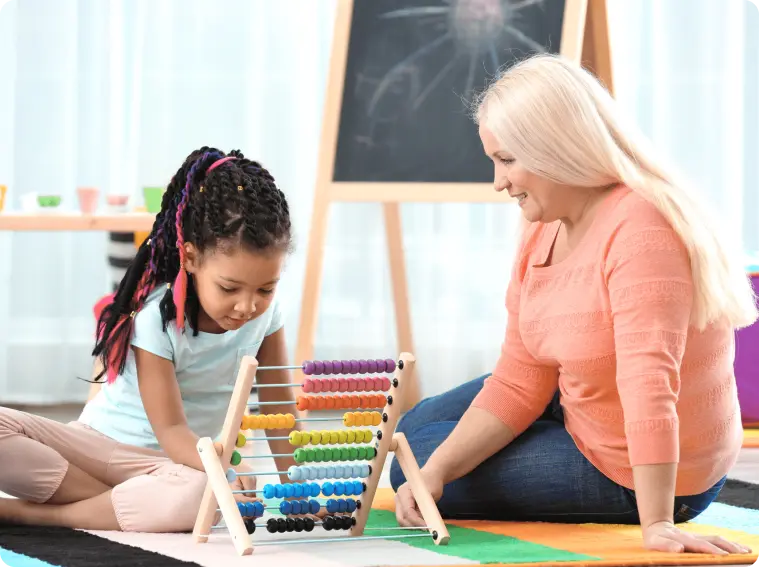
[[206, 368]]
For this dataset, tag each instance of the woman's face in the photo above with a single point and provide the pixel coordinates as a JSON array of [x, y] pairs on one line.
[[540, 199]]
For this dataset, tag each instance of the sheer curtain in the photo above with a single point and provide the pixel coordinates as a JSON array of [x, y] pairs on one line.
[[115, 94]]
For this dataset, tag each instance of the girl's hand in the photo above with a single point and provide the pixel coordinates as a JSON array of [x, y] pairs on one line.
[[244, 483], [406, 509], [664, 536]]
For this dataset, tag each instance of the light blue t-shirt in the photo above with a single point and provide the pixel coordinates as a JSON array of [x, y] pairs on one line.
[[206, 368]]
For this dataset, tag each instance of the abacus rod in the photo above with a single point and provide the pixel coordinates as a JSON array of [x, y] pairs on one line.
[[286, 385], [267, 456], [340, 539], [282, 438], [285, 403], [289, 367], [319, 419]]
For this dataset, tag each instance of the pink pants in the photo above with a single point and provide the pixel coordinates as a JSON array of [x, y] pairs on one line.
[[150, 492]]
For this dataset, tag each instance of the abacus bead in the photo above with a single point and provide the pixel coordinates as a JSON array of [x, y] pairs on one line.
[[293, 473], [318, 367], [308, 367], [332, 506], [250, 526], [371, 366], [339, 471], [315, 490], [354, 366], [318, 455], [371, 452], [360, 436], [331, 470], [231, 475], [313, 506], [329, 402], [271, 525], [295, 438], [342, 384], [353, 452], [351, 504], [328, 367], [279, 491], [350, 385], [240, 441], [378, 383], [301, 403], [298, 490], [281, 421], [289, 490], [363, 471], [351, 436], [328, 489], [358, 487], [241, 508], [316, 437], [281, 525], [299, 524], [305, 437], [290, 524], [333, 437], [315, 473], [309, 524], [342, 436], [319, 403], [308, 385], [285, 507], [385, 383], [289, 421], [334, 384], [236, 458], [316, 386], [389, 365], [337, 366], [295, 507], [299, 455], [361, 453], [345, 453], [348, 419], [250, 509], [342, 506], [360, 384], [259, 508], [311, 455], [381, 366], [339, 488], [328, 523], [375, 418]]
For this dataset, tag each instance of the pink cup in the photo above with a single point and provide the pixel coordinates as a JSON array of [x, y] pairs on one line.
[[88, 199]]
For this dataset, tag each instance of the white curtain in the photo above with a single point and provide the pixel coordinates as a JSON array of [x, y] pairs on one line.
[[115, 94]]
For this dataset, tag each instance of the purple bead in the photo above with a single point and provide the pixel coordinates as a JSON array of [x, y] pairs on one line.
[[328, 367], [363, 367], [308, 367], [318, 367], [389, 365], [354, 366], [337, 367], [381, 367], [372, 366]]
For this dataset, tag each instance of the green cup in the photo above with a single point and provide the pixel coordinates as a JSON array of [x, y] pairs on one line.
[[153, 197]]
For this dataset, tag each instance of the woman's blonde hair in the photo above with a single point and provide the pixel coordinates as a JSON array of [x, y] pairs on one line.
[[558, 120]]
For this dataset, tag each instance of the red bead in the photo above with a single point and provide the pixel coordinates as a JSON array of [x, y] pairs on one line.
[[342, 385]]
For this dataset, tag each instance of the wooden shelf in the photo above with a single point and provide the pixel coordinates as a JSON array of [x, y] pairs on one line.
[[70, 221]]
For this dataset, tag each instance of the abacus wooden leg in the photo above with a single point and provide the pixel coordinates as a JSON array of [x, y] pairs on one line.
[[432, 518]]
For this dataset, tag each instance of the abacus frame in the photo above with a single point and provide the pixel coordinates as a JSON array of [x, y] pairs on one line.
[[218, 493]]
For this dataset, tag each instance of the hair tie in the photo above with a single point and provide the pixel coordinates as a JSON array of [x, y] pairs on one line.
[[218, 162]]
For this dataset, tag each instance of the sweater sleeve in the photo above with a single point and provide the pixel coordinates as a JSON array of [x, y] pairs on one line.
[[651, 294], [520, 387]]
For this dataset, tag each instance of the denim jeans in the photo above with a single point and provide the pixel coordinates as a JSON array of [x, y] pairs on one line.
[[540, 476]]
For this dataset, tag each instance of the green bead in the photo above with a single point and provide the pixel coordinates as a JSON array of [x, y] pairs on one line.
[[236, 458], [345, 454], [318, 455], [300, 455], [361, 453], [329, 455], [371, 452], [354, 453], [310, 455]]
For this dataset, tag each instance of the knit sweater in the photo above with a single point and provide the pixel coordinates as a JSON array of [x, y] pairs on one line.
[[609, 326]]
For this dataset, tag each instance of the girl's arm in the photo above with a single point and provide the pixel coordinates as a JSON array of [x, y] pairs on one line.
[[273, 352], [163, 405]]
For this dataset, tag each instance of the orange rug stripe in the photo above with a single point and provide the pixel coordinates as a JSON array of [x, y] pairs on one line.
[[751, 438], [615, 545]]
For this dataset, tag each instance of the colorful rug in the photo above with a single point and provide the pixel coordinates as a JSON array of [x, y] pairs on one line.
[[751, 438], [734, 516]]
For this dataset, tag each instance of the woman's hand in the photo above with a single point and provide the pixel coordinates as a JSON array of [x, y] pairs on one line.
[[664, 536], [406, 509], [244, 483]]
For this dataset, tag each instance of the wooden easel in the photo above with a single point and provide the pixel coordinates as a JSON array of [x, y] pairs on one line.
[[585, 37]]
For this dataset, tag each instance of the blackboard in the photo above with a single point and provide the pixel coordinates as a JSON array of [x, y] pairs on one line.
[[412, 66]]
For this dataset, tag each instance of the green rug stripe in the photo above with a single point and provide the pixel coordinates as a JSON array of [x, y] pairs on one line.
[[485, 547]]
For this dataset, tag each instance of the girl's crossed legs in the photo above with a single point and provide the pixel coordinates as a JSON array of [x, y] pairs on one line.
[[71, 475], [540, 476]]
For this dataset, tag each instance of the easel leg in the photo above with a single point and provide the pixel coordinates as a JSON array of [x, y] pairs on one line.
[[596, 54], [422, 495], [393, 233]]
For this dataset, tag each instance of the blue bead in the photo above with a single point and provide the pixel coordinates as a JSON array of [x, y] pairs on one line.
[[339, 488], [331, 471], [304, 506], [241, 508], [231, 475], [250, 510], [285, 507], [315, 490], [295, 507], [363, 471], [258, 508], [294, 473], [269, 491], [314, 506], [298, 490], [288, 490], [328, 489], [349, 488], [331, 505], [358, 487], [279, 491], [314, 473], [351, 504], [342, 505]]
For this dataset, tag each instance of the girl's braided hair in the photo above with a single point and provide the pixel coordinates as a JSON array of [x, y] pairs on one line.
[[214, 201]]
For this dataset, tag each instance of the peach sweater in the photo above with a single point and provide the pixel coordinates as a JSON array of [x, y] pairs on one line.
[[609, 326]]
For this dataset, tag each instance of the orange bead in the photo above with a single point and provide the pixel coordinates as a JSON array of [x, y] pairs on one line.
[[355, 402], [302, 404], [321, 402], [330, 402], [381, 400]]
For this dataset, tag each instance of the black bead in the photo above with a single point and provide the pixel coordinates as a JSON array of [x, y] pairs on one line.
[[390, 400], [400, 365], [358, 504], [250, 526], [434, 535], [384, 417], [271, 525], [370, 470], [290, 524], [363, 487], [309, 524], [353, 521], [379, 435], [299, 524], [281, 525], [395, 382], [328, 523]]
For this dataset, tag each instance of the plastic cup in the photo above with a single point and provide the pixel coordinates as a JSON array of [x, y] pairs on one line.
[[88, 199], [153, 197]]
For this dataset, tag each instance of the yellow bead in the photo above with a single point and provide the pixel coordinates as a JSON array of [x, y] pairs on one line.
[[240, 440], [252, 422], [325, 437], [281, 421], [244, 423], [305, 437], [359, 436], [296, 438], [367, 418], [351, 436], [368, 435], [348, 419], [289, 421], [342, 436], [376, 418], [333, 437], [316, 437], [271, 419]]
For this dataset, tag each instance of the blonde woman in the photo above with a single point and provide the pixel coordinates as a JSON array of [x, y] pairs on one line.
[[614, 399]]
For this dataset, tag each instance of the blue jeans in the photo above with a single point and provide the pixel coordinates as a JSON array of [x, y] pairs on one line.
[[540, 476]]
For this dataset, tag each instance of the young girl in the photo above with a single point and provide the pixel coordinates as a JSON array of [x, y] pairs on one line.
[[198, 297]]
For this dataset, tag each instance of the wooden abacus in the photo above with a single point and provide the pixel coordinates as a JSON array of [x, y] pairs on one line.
[[240, 519]]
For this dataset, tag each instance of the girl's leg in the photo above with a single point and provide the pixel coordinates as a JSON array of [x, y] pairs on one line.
[[540, 476], [94, 513]]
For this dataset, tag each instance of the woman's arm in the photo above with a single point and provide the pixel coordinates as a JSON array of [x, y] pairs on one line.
[[273, 352], [163, 405]]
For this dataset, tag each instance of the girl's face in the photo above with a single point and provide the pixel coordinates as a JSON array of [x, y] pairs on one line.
[[233, 286]]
